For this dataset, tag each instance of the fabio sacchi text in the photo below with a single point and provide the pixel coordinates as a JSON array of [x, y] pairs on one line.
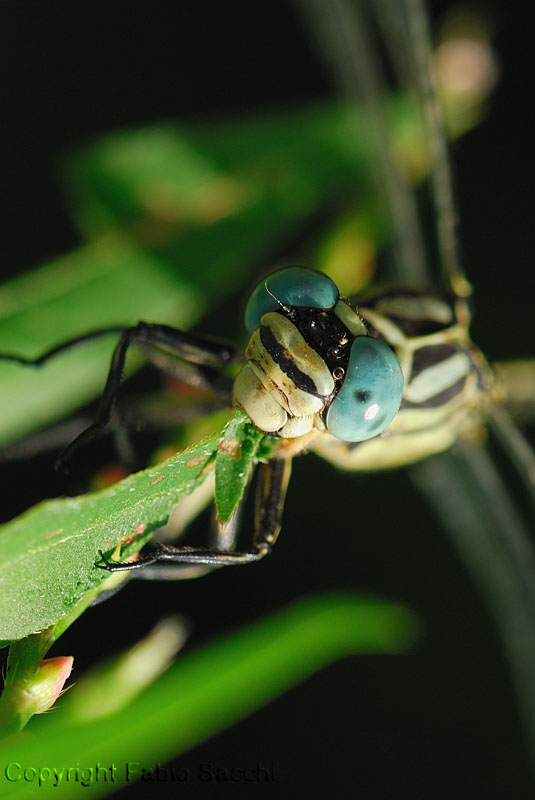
[[206, 772]]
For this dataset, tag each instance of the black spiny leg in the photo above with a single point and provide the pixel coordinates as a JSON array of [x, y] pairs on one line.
[[273, 478], [223, 539], [271, 490], [162, 345], [191, 348]]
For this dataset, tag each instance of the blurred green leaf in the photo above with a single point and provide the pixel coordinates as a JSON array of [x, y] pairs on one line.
[[206, 691], [48, 555], [188, 176], [215, 198], [109, 283]]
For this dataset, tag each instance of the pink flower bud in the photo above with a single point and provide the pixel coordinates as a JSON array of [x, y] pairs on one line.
[[48, 682]]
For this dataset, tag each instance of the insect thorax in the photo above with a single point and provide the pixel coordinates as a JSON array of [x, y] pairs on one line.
[[447, 381], [296, 360]]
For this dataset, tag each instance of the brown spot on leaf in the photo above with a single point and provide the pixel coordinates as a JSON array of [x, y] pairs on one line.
[[156, 480], [231, 447], [194, 461], [54, 533]]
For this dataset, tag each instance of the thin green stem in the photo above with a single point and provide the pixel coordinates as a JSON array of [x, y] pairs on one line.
[[341, 30]]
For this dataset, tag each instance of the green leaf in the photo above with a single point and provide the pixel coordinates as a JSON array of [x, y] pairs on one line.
[[199, 175], [208, 690], [111, 283], [212, 198], [235, 460], [48, 555]]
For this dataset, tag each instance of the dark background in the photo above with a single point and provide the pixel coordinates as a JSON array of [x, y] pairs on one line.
[[442, 719]]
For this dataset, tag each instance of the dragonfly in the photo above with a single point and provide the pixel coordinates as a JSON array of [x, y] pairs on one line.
[[395, 382], [449, 390]]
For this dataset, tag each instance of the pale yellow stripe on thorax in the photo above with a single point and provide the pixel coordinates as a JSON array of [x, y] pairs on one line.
[[391, 332], [416, 308], [383, 452], [437, 378], [350, 318]]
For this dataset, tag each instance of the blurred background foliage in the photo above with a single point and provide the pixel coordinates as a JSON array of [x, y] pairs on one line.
[[214, 152]]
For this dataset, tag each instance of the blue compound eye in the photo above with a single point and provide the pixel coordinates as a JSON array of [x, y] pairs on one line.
[[370, 395], [292, 286]]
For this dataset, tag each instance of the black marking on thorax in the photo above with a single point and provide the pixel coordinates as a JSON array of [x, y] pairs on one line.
[[430, 355]]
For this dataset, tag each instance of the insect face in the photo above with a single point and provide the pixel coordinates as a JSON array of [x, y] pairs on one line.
[[311, 363]]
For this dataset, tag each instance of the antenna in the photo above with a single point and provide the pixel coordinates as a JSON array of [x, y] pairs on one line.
[[276, 299]]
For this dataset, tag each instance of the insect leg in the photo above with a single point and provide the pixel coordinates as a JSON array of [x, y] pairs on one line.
[[192, 348], [224, 538], [200, 376], [273, 478], [138, 415], [205, 357], [186, 345], [36, 362], [271, 490], [43, 441]]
